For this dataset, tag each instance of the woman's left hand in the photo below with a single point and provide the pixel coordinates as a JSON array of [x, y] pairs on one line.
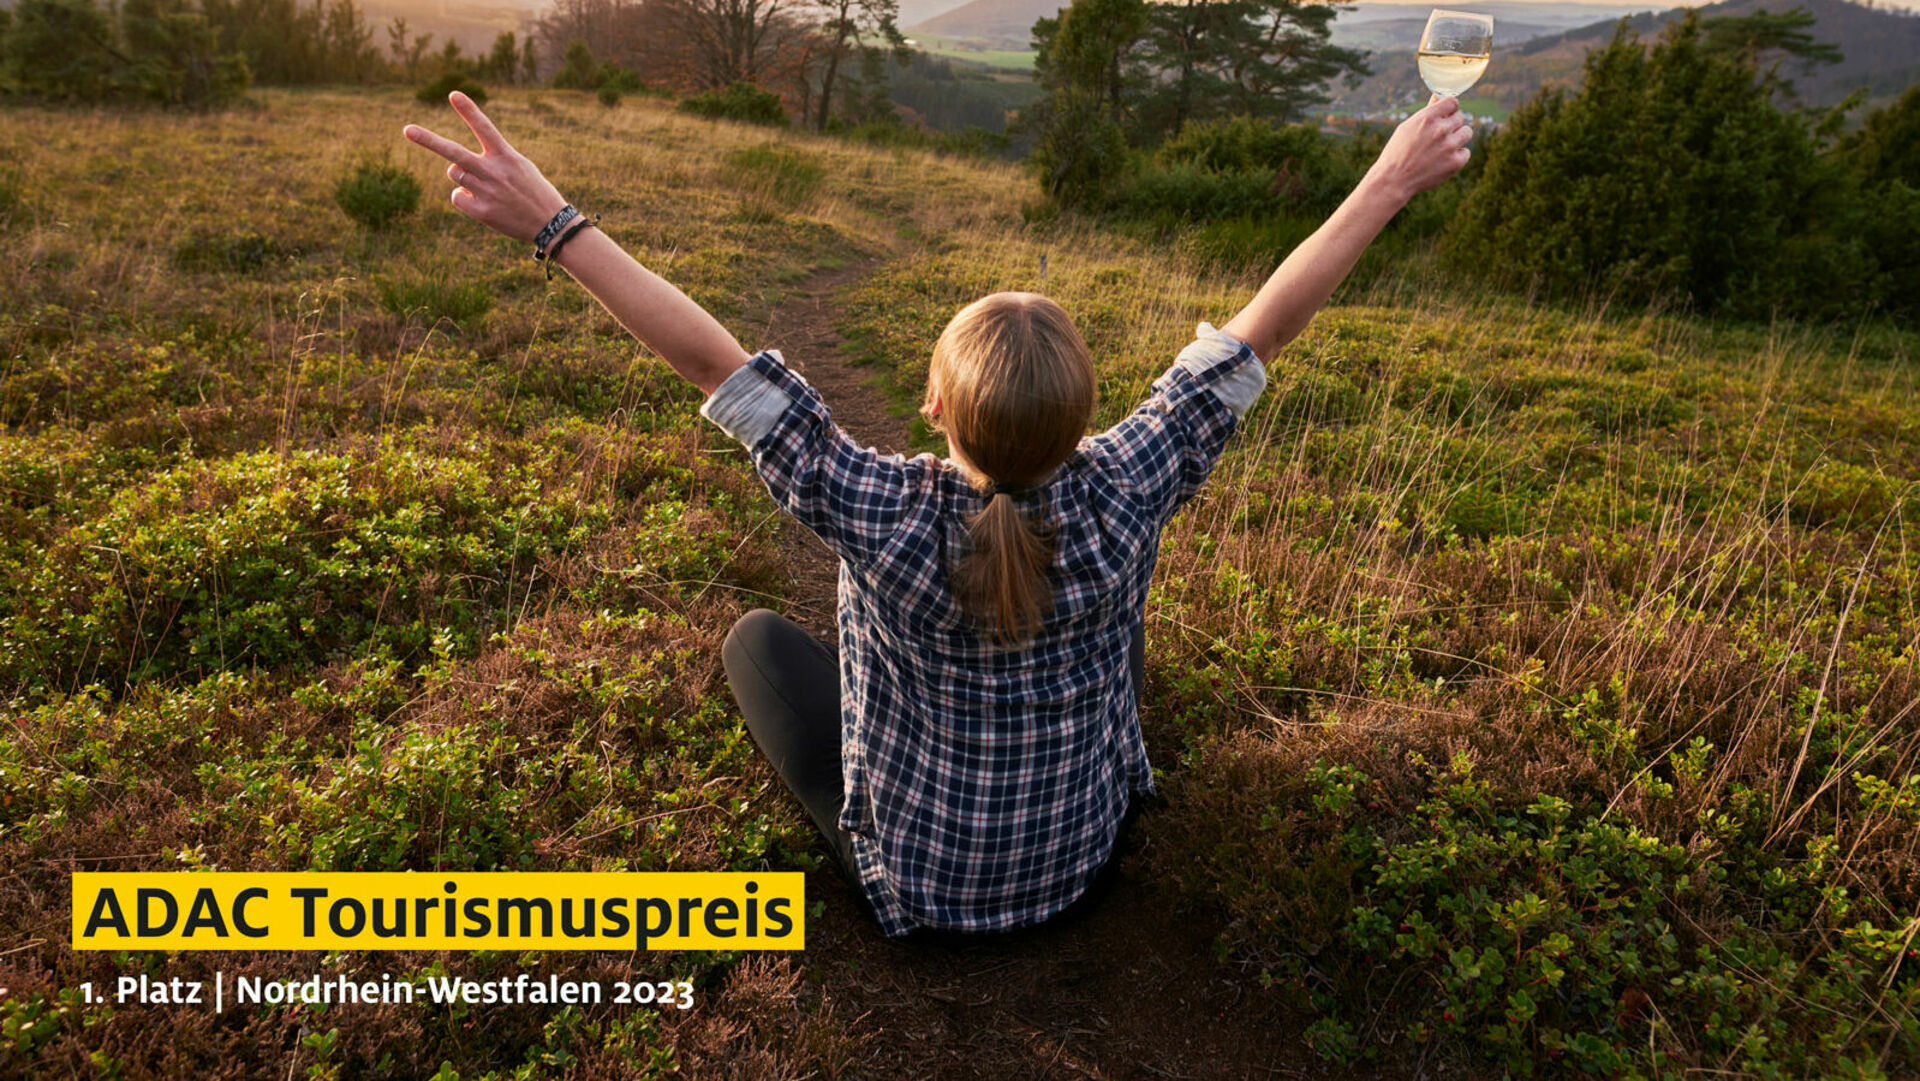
[[498, 187]]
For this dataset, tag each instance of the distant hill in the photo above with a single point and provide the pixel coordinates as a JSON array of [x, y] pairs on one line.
[[1008, 24], [917, 11], [1002, 24], [1881, 47], [1385, 26]]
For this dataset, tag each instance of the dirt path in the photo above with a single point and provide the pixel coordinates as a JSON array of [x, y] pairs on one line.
[[1128, 990]]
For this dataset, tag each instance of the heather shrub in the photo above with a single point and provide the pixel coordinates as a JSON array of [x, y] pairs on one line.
[[434, 296], [741, 101], [243, 250], [376, 194], [260, 560], [435, 92]]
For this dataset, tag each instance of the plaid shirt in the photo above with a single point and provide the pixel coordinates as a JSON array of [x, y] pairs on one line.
[[984, 788]]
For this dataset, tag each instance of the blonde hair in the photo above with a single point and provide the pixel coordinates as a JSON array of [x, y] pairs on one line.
[[1016, 389]]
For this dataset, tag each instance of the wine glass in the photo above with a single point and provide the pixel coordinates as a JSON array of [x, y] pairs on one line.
[[1454, 51]]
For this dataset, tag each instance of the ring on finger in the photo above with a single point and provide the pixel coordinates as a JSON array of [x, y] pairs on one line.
[[459, 175]]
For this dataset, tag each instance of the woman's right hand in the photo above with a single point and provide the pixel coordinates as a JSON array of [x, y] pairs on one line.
[[498, 187], [1426, 149]]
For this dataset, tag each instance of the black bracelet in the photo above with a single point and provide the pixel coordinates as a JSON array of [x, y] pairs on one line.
[[554, 225], [553, 250]]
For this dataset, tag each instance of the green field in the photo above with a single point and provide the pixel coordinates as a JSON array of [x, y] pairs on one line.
[[1532, 690], [961, 49]]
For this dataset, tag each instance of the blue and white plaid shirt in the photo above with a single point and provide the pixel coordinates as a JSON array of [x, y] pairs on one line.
[[984, 788]]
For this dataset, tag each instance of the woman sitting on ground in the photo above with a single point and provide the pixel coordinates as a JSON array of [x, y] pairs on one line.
[[972, 750]]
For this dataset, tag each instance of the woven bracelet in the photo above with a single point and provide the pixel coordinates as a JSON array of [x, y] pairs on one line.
[[553, 252], [558, 222]]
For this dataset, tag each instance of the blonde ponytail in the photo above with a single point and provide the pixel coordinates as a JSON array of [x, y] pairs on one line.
[[1002, 581], [1014, 385]]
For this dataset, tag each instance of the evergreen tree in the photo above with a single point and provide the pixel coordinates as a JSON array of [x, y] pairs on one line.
[[173, 56], [1669, 174], [63, 49], [578, 69], [503, 61], [1882, 159], [1085, 62], [1147, 70], [1886, 148]]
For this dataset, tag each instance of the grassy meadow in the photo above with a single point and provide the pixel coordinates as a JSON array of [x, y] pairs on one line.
[[1532, 690]]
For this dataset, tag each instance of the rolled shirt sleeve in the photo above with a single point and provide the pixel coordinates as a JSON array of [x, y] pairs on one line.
[[1165, 450], [850, 496]]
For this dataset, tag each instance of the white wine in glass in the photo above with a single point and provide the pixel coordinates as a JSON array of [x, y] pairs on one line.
[[1454, 51]]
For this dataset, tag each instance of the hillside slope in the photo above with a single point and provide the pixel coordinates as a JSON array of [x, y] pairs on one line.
[[1881, 49], [1530, 690]]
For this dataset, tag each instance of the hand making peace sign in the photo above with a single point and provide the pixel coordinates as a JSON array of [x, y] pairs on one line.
[[498, 187]]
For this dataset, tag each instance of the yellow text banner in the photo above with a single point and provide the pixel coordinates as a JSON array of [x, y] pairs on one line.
[[475, 910]]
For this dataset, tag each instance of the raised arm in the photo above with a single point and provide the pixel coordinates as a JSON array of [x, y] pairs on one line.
[[502, 190], [1427, 148]]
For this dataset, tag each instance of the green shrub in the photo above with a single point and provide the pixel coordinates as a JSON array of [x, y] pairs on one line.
[[624, 81], [1295, 166], [889, 130], [436, 91], [608, 94], [1479, 511], [741, 101], [578, 69], [173, 57], [1081, 156], [1883, 159], [377, 193], [1188, 192], [772, 177], [262, 559], [1550, 936], [243, 251], [435, 296], [1252, 240], [72, 50], [419, 799], [1670, 175]]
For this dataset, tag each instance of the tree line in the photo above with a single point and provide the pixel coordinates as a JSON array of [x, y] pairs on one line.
[[826, 58], [1682, 170]]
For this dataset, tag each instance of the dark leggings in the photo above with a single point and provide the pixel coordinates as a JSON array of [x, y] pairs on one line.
[[788, 687]]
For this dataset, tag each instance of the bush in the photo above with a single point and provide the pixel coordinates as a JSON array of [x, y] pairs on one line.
[[609, 95], [1437, 906], [623, 81], [435, 297], [889, 130], [771, 177], [377, 193], [71, 50], [1081, 156], [1300, 169], [578, 69], [1883, 159], [741, 101], [436, 91], [1670, 175], [242, 251], [263, 559]]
